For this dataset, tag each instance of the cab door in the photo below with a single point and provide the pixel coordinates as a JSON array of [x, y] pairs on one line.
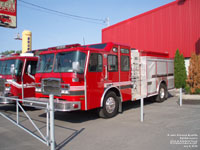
[[94, 80], [29, 88]]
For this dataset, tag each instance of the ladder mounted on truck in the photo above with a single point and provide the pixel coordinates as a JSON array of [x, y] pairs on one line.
[[136, 74]]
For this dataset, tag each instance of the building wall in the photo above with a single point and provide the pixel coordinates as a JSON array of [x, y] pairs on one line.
[[164, 29], [187, 63]]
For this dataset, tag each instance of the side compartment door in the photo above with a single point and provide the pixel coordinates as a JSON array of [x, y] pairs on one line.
[[95, 77]]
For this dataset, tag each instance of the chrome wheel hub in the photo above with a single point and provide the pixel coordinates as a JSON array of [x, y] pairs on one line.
[[162, 93], [110, 105]]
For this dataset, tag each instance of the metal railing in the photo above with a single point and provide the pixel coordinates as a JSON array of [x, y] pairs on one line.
[[46, 139], [51, 87]]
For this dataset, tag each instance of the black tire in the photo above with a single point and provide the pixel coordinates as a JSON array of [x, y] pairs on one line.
[[110, 106], [162, 93]]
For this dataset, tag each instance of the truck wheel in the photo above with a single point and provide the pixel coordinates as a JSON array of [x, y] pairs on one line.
[[162, 93], [110, 106]]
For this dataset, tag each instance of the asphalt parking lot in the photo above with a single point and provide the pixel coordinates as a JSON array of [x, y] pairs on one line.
[[166, 126]]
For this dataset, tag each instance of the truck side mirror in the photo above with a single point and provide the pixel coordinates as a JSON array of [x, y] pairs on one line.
[[29, 69], [12, 69], [29, 72], [76, 66]]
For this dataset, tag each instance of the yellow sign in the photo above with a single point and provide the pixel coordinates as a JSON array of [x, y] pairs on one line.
[[26, 41]]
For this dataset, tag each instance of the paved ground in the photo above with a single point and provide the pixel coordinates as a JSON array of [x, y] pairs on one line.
[[166, 126]]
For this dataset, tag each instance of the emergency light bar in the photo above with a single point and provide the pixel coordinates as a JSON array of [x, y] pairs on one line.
[[64, 46], [26, 54]]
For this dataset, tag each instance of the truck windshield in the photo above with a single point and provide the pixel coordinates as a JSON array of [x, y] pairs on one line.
[[6, 65], [45, 63], [64, 61]]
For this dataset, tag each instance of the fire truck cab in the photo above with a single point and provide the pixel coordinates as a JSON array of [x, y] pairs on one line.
[[18, 83], [103, 76]]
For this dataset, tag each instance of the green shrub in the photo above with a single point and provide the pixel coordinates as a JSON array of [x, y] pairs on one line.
[[180, 75], [187, 89], [197, 91]]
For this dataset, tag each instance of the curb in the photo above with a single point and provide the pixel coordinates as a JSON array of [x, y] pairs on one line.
[[186, 96], [189, 97]]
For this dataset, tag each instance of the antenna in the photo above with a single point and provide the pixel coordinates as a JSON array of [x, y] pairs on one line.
[[107, 21], [83, 41]]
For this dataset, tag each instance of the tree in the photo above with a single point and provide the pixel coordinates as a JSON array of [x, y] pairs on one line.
[[193, 79], [180, 75], [10, 52], [183, 71], [18, 52], [198, 75]]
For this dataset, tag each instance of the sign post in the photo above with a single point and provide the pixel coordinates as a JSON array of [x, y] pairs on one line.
[[52, 131], [181, 97], [51, 87], [142, 109]]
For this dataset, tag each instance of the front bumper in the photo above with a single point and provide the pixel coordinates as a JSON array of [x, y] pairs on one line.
[[4, 100], [59, 105]]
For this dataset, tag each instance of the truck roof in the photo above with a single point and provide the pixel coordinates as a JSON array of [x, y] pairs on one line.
[[96, 47], [18, 57]]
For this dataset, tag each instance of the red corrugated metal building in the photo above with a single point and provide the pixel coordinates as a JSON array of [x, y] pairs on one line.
[[167, 28]]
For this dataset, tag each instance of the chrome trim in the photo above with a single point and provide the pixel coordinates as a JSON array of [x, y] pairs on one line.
[[105, 92], [110, 105], [38, 89], [85, 79], [106, 72], [17, 85], [149, 58], [162, 93], [119, 62], [60, 105], [66, 92], [5, 100], [159, 85]]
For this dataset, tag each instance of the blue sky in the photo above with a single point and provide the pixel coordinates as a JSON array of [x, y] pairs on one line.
[[50, 30]]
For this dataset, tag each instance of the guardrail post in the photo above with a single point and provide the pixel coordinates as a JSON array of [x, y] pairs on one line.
[[51, 87], [180, 96], [17, 111], [52, 132], [47, 122], [141, 109]]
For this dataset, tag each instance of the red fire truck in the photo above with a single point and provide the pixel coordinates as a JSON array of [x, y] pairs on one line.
[[14, 70], [103, 76], [13, 81]]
